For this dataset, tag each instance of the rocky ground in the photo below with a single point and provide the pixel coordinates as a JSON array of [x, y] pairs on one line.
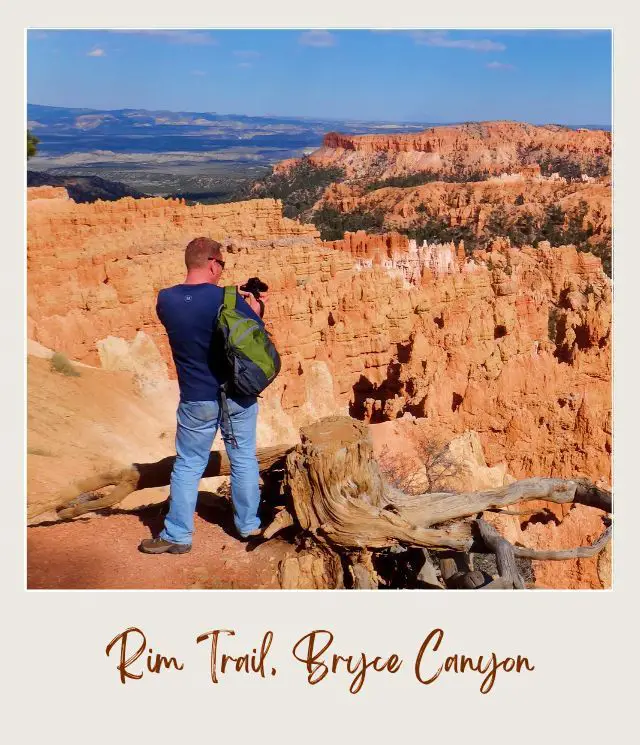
[[101, 553]]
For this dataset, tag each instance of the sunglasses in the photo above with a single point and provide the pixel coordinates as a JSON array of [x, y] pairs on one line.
[[218, 261]]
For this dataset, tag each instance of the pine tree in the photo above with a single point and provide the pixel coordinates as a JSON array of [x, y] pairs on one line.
[[32, 142]]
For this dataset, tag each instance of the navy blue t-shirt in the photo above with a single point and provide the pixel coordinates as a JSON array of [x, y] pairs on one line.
[[188, 313]]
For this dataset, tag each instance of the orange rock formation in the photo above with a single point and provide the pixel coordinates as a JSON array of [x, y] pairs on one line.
[[498, 147], [417, 328], [472, 204]]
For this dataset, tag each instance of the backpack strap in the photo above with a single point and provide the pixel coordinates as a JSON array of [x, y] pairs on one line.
[[230, 296], [229, 302]]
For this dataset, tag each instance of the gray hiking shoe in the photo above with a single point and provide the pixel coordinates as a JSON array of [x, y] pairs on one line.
[[257, 533], [160, 546]]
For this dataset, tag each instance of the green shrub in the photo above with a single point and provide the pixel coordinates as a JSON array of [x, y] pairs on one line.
[[437, 230], [60, 363], [333, 224], [524, 230], [569, 228], [558, 227], [601, 249], [32, 144], [299, 188], [571, 170], [457, 176]]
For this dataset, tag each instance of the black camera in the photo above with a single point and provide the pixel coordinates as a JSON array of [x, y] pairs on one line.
[[255, 286]]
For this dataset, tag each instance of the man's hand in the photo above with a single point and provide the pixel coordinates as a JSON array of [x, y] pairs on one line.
[[251, 301]]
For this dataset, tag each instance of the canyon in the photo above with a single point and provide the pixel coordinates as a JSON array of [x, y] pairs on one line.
[[508, 347]]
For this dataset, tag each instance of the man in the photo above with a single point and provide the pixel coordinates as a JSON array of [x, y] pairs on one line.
[[188, 312]]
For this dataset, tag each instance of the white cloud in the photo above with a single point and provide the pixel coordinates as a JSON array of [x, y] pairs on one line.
[[198, 72], [500, 66], [317, 38], [245, 65], [97, 52], [174, 36], [246, 54], [442, 39]]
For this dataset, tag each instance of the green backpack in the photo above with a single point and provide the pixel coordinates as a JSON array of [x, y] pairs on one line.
[[252, 360]]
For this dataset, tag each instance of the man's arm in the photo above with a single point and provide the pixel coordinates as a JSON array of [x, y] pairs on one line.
[[246, 308]]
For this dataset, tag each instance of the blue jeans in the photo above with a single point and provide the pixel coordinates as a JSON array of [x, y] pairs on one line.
[[198, 423]]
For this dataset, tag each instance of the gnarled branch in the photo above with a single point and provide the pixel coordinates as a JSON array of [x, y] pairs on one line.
[[505, 557], [581, 552], [69, 502]]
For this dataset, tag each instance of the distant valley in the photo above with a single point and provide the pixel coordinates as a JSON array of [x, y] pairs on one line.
[[199, 155], [169, 153]]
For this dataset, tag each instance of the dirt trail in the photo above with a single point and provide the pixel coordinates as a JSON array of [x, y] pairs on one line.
[[101, 552]]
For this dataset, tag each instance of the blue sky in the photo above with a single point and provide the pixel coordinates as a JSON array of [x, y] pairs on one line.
[[435, 76]]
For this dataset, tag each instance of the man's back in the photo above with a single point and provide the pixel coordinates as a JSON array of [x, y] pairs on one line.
[[189, 313]]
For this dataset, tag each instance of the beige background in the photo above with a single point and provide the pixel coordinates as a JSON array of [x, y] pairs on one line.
[[61, 686]]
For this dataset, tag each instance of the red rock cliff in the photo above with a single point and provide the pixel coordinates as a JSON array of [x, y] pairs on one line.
[[498, 147], [492, 134]]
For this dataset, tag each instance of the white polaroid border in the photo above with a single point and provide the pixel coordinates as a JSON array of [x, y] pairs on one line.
[[60, 684]]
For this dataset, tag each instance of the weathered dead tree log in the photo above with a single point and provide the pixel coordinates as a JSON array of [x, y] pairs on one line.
[[434, 508], [72, 502], [283, 519], [580, 552], [337, 495]]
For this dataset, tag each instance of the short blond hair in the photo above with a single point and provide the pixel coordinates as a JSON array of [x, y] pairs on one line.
[[201, 250]]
